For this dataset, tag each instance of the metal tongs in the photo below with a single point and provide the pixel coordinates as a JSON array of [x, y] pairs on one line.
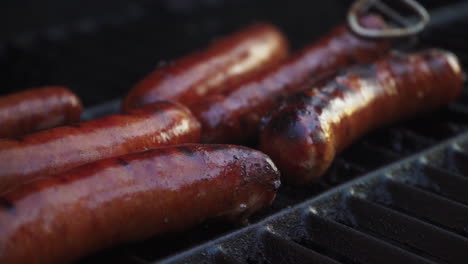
[[360, 7]]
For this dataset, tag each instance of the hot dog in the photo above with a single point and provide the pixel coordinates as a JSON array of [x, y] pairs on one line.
[[53, 151], [223, 64], [132, 197], [37, 109], [234, 117], [304, 136]]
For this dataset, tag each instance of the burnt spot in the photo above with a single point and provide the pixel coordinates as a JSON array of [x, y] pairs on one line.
[[123, 162], [300, 98], [281, 121], [186, 150], [289, 126], [351, 60], [318, 109], [7, 204], [279, 99]]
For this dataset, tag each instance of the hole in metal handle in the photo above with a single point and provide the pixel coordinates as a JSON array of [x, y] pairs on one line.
[[360, 7]]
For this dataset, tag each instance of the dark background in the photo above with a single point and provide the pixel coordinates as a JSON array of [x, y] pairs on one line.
[[101, 48]]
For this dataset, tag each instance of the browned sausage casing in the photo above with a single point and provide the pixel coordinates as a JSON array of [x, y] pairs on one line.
[[132, 197], [37, 109], [234, 117], [56, 150], [221, 65], [304, 136]]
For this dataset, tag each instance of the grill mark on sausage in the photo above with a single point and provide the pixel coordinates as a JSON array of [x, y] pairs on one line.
[[186, 150], [123, 162], [7, 204]]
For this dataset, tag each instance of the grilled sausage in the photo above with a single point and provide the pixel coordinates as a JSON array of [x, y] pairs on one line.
[[306, 133], [234, 117], [132, 197], [38, 109], [221, 65], [53, 151]]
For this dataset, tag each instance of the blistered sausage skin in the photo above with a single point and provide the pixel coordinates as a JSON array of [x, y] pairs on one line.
[[132, 197], [234, 117], [304, 136], [223, 64], [36, 109], [53, 151]]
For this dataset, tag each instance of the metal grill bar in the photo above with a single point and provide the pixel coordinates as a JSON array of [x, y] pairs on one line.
[[441, 182], [278, 249], [407, 231], [355, 245], [424, 205]]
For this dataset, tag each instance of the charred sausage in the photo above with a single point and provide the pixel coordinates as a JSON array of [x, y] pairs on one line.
[[311, 127], [234, 117], [132, 197], [37, 109], [221, 65], [53, 151]]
